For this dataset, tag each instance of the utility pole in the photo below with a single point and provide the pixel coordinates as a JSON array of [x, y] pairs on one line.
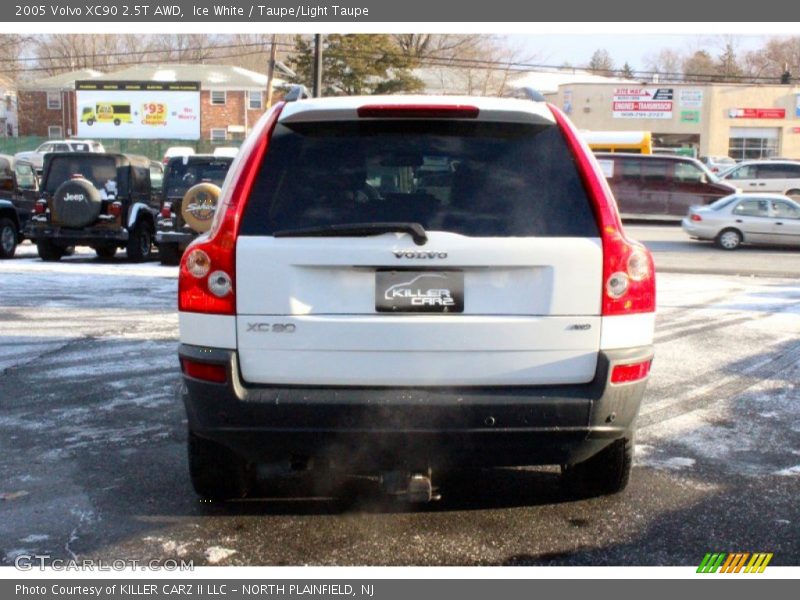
[[271, 70], [317, 65]]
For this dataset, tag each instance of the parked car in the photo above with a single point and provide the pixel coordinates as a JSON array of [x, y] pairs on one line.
[[18, 193], [105, 201], [718, 164], [229, 151], [345, 310], [191, 188], [746, 218], [659, 186], [173, 151], [778, 176], [36, 157]]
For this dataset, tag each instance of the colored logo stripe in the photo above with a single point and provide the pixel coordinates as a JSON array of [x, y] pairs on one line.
[[734, 562]]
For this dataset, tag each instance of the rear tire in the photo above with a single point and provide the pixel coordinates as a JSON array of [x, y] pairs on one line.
[[48, 251], [217, 473], [169, 254], [140, 242], [8, 238], [728, 239], [607, 472], [106, 252]]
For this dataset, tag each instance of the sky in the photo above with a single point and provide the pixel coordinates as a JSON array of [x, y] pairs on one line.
[[577, 49]]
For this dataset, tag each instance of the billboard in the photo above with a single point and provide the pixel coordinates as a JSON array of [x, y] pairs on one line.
[[642, 103], [138, 109]]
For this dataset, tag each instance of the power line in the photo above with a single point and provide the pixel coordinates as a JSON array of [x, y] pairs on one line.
[[426, 61]]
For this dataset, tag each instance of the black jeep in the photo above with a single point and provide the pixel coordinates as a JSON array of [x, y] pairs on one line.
[[18, 192], [105, 201], [191, 189]]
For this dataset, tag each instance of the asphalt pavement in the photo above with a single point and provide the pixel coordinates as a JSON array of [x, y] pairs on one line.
[[92, 442]]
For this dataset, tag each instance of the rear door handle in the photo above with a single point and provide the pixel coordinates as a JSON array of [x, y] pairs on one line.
[[738, 220], [778, 223]]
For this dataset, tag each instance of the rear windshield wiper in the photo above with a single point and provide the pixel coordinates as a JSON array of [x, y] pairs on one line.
[[416, 231]]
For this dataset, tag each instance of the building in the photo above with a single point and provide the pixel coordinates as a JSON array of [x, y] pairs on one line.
[[231, 98], [736, 120], [9, 125], [47, 106]]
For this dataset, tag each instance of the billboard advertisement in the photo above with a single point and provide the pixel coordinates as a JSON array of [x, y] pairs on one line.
[[642, 103], [138, 109]]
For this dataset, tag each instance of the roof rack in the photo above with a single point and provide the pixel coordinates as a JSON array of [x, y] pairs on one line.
[[297, 92]]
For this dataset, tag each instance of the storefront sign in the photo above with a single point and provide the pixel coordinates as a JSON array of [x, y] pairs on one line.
[[642, 103], [690, 98], [757, 113], [690, 116]]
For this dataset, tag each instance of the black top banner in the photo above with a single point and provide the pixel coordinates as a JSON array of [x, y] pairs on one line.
[[438, 11], [139, 86]]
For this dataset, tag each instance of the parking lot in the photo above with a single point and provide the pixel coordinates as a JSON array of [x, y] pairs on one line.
[[92, 437]]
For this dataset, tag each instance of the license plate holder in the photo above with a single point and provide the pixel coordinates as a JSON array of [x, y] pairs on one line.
[[401, 291]]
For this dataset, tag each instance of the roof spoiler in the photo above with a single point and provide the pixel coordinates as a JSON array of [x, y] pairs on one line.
[[297, 92]]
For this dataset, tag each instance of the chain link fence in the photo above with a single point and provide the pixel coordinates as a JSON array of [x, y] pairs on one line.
[[153, 149]]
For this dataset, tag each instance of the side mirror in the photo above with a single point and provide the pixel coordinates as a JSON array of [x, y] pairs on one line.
[[7, 184]]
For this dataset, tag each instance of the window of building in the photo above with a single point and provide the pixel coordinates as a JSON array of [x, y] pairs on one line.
[[255, 100], [219, 135], [54, 100], [753, 142], [218, 97], [54, 131]]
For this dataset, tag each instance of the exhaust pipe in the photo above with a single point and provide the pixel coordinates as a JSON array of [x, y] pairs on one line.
[[413, 487]]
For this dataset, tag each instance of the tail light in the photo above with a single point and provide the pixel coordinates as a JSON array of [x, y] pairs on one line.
[[115, 209], [629, 284], [166, 210], [40, 207], [207, 277], [629, 373], [204, 371], [695, 217]]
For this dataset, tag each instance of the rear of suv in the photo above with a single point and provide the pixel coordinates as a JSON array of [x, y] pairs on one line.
[[189, 199], [403, 285], [102, 200]]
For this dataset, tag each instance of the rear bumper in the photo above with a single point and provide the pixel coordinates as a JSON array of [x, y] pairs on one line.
[[174, 237], [89, 235], [488, 426]]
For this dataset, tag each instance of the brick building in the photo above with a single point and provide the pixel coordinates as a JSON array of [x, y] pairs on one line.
[[46, 107], [231, 98]]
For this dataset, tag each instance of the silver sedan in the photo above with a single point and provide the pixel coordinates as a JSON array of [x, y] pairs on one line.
[[746, 218]]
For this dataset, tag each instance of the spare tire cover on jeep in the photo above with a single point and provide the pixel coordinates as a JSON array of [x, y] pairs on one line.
[[76, 203], [198, 206]]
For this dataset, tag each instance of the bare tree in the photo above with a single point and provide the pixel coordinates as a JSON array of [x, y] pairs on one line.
[[667, 64], [601, 62], [12, 48]]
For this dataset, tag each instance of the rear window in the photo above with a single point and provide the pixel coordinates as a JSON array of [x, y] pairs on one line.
[[99, 170], [722, 202], [180, 175], [473, 178]]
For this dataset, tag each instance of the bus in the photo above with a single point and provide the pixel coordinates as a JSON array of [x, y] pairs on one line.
[[631, 142], [107, 112]]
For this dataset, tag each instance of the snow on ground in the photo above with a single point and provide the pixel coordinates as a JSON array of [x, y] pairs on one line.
[[216, 554], [724, 384]]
